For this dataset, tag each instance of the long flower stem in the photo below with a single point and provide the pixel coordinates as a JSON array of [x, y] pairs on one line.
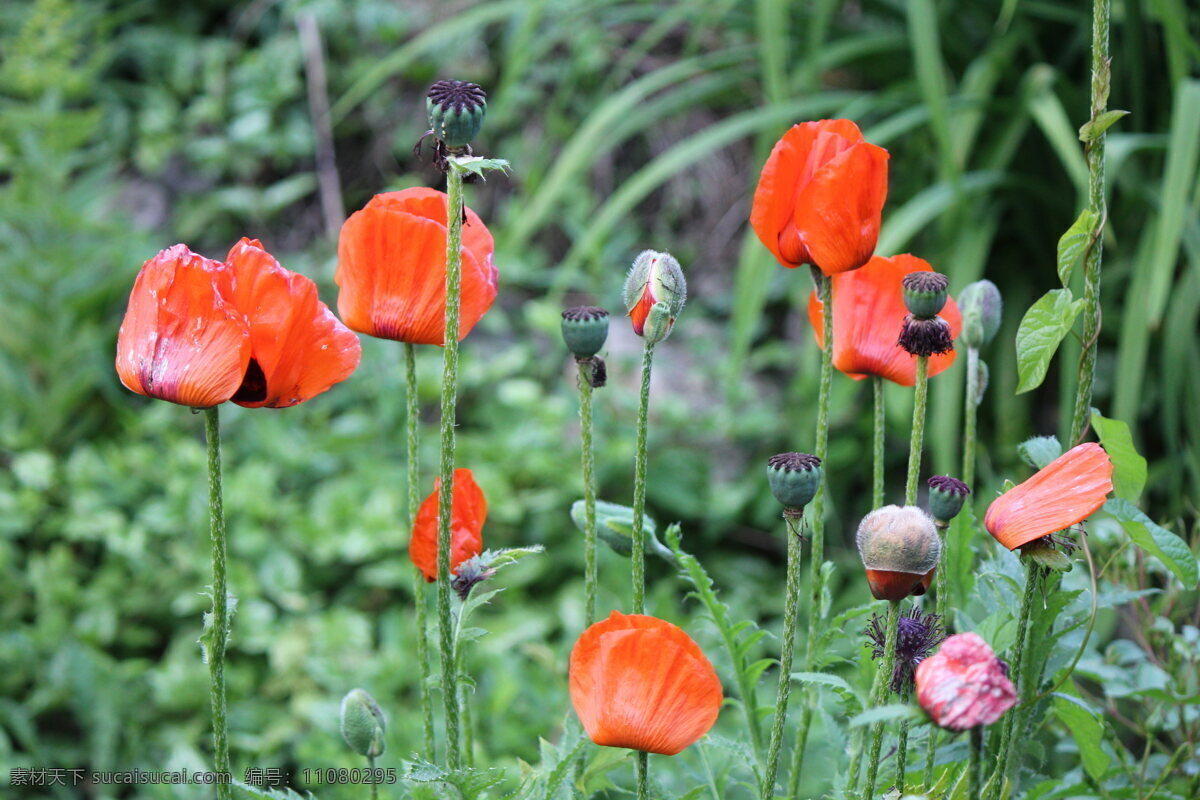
[[941, 603], [639, 487], [816, 525], [1004, 751], [374, 783], [1094, 151], [413, 425], [917, 443], [886, 668], [975, 762], [642, 770], [902, 749], [454, 206], [877, 444], [218, 633], [791, 610], [970, 416], [589, 491]]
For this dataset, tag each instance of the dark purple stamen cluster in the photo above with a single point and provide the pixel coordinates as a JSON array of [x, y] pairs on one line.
[[926, 337], [794, 462], [919, 634], [581, 313], [470, 573], [457, 95]]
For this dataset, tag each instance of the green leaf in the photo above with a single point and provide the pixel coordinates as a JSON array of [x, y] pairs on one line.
[[1073, 243], [614, 527], [1090, 131], [895, 711], [471, 783], [1049, 558], [1088, 730], [839, 685], [1042, 329], [1129, 468], [478, 165], [1039, 451], [1159, 542]]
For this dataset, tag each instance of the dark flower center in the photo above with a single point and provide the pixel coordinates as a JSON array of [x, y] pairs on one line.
[[254, 385]]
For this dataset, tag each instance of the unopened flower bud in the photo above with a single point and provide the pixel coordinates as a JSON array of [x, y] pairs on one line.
[[924, 293], [946, 497], [363, 724], [794, 478], [584, 329], [964, 685], [926, 337], [981, 306], [899, 547], [655, 282], [456, 111]]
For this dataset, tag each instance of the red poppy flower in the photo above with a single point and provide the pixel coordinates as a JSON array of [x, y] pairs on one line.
[[642, 683], [868, 313], [392, 268], [964, 685], [468, 512], [820, 197], [1066, 491], [200, 332]]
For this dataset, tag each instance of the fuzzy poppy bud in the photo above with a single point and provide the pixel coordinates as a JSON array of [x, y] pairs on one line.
[[946, 497], [584, 329], [655, 281], [964, 685], [794, 478], [899, 547], [363, 724], [981, 307], [456, 111], [926, 337], [924, 293]]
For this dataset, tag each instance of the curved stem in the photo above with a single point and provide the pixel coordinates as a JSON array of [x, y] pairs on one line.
[[816, 525], [877, 442], [589, 491], [886, 668], [920, 398], [218, 633], [1004, 751], [412, 425], [791, 611], [639, 488], [454, 205]]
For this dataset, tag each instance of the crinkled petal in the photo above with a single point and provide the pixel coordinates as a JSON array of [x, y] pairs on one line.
[[468, 513]]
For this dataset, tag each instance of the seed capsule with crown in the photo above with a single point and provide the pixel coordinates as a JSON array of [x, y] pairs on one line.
[[456, 111]]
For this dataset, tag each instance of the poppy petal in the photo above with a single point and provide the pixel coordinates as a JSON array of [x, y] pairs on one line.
[[468, 512], [1065, 492], [182, 340], [838, 212], [642, 683]]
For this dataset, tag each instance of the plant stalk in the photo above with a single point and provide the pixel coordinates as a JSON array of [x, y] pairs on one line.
[[642, 770], [412, 425], [639, 487], [975, 762], [791, 611], [218, 633], [917, 443], [884, 681], [1004, 751], [970, 417], [589, 491], [877, 442], [902, 747]]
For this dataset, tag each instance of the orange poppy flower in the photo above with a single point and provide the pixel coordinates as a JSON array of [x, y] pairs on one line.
[[392, 268], [820, 197], [468, 512], [298, 348], [868, 313], [1065, 492], [642, 683]]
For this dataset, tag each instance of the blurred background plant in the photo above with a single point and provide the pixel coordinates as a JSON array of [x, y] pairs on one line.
[[126, 127]]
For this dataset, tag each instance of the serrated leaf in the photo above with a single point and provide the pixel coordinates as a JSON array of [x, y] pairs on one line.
[[1091, 130], [470, 782], [888, 713], [277, 793], [1088, 731], [1129, 467], [1073, 243], [614, 527], [838, 684], [1039, 451], [1156, 540], [478, 165], [1042, 329]]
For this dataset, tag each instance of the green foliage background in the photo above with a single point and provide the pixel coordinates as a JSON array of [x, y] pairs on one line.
[[126, 127]]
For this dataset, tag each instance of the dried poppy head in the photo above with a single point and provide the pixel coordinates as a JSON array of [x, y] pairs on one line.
[[584, 329], [924, 293], [898, 546], [1063, 493], [794, 478], [468, 509], [964, 685], [456, 111], [917, 635], [642, 683], [655, 291], [925, 337]]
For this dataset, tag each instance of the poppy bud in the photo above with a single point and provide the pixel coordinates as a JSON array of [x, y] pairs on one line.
[[584, 329], [926, 337], [363, 724], [946, 497], [964, 685], [981, 306], [924, 293], [794, 478], [456, 111], [899, 547], [655, 281]]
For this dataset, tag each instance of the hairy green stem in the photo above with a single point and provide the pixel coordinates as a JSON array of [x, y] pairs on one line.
[[884, 681], [642, 771], [941, 587], [917, 443], [877, 442], [468, 731], [930, 753], [902, 748], [975, 762], [791, 611], [816, 524], [589, 491], [639, 487], [412, 425], [1004, 751], [1094, 151], [454, 206], [218, 633], [970, 415]]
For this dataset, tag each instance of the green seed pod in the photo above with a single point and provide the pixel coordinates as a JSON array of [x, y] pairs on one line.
[[584, 329], [946, 497], [794, 478], [363, 724], [456, 111], [981, 307], [925, 293]]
